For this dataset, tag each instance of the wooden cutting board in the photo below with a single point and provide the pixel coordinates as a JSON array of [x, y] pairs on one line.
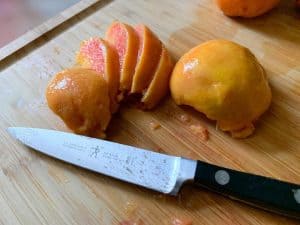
[[36, 189]]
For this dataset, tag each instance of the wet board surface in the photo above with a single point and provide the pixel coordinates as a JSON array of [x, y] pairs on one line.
[[36, 189]]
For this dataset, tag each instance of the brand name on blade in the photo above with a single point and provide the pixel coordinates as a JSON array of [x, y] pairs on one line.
[[93, 152], [73, 146]]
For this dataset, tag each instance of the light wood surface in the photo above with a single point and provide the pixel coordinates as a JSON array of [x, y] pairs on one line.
[[38, 31], [36, 189]]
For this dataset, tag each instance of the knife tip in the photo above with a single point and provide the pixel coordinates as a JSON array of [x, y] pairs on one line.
[[12, 131]]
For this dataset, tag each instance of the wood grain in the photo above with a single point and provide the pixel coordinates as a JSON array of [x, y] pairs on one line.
[[38, 31], [36, 189]]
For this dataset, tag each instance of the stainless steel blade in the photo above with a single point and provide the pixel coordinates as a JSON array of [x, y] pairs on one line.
[[149, 169]]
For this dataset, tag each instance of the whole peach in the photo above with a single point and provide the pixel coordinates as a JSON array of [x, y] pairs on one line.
[[246, 8]]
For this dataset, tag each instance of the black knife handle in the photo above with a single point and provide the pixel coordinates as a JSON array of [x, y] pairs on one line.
[[269, 194]]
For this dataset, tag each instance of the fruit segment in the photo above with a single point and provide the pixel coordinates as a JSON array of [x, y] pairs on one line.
[[80, 97], [148, 56], [125, 40], [159, 85], [99, 55]]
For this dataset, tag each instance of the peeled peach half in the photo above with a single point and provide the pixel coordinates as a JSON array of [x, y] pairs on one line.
[[99, 55], [159, 86], [80, 97], [125, 40], [148, 57], [224, 81]]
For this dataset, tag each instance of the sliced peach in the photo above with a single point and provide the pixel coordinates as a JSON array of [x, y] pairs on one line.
[[80, 97], [125, 40], [148, 56], [100, 56], [159, 85]]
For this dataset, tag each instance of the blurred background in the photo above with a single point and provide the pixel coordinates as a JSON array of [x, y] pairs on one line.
[[19, 16]]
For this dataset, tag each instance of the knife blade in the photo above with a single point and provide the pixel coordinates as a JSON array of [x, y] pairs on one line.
[[161, 172]]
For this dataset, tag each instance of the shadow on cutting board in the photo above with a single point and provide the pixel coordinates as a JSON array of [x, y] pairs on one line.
[[282, 23]]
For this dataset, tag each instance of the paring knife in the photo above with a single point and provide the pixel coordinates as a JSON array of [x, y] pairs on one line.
[[160, 172]]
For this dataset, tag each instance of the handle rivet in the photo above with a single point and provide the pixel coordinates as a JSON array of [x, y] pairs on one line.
[[222, 177], [297, 195]]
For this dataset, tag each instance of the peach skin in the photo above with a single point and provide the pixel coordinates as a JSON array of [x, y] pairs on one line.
[[159, 86], [224, 81], [148, 56], [80, 98], [246, 8]]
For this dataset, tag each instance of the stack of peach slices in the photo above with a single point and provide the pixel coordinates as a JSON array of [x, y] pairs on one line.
[[129, 60]]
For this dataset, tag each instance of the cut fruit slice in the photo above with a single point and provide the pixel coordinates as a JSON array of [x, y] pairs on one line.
[[148, 56], [159, 85], [99, 55], [125, 40]]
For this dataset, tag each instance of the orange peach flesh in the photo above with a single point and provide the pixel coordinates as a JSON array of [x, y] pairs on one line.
[[159, 86], [124, 38], [99, 55], [80, 97], [148, 58]]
